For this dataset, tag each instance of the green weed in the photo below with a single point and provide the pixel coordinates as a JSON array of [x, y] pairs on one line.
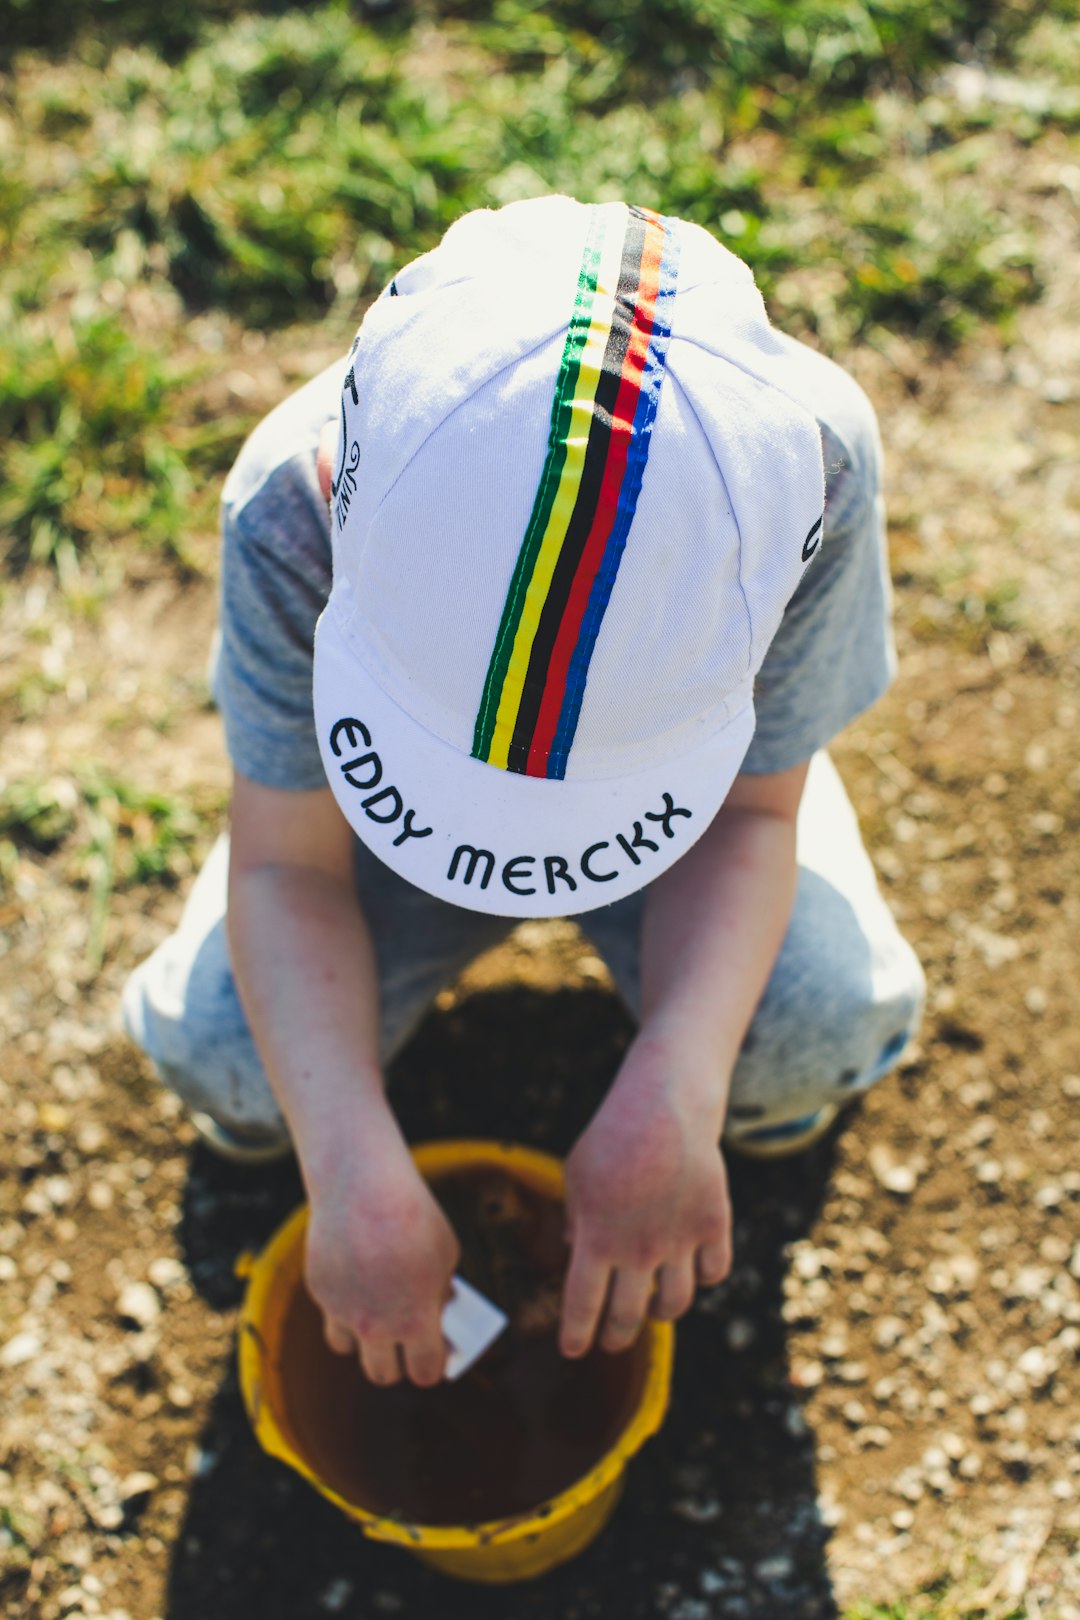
[[38, 815], [83, 453], [117, 835]]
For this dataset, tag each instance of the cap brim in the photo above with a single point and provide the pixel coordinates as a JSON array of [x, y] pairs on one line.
[[493, 840]]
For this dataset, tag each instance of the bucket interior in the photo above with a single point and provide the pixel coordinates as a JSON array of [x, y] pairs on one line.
[[523, 1424]]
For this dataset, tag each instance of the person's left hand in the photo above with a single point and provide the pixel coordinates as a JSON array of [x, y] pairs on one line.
[[649, 1217]]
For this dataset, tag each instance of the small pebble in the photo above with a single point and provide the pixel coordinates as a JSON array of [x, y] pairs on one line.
[[166, 1271], [137, 1484], [138, 1303], [690, 1609], [334, 1597], [873, 1434], [807, 1374], [777, 1568], [90, 1138], [1036, 1366], [901, 1179], [1054, 1249], [889, 1331], [697, 1510], [909, 1485], [740, 1333], [795, 1423], [22, 1348]]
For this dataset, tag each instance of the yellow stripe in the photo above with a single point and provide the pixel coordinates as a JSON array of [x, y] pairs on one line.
[[603, 311]]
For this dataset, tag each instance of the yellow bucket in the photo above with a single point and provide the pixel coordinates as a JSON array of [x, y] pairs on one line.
[[510, 1549]]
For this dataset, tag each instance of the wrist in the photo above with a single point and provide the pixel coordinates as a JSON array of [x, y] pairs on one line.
[[341, 1129], [681, 1062]]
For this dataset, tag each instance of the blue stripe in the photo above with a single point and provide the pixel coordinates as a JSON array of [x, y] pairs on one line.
[[641, 433]]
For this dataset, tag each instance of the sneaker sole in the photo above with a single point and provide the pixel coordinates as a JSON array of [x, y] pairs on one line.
[[782, 1147], [236, 1149]]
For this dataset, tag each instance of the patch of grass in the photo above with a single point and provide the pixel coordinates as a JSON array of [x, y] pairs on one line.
[[20, 1537], [119, 835], [835, 51], [39, 814], [83, 452], [274, 165], [933, 263]]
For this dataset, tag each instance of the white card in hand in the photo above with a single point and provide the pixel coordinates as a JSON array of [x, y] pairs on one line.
[[469, 1324]]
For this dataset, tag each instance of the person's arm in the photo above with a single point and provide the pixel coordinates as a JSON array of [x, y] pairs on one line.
[[648, 1210], [380, 1252]]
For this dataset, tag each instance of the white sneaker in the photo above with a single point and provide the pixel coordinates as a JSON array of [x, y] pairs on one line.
[[779, 1141], [237, 1146]]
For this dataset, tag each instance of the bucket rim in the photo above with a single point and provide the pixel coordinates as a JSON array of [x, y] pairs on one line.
[[431, 1157]]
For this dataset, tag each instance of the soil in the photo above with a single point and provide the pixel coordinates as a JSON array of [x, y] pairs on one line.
[[521, 1425], [881, 1401]]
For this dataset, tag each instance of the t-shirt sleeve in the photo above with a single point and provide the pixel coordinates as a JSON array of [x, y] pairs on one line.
[[275, 579], [276, 569], [833, 655]]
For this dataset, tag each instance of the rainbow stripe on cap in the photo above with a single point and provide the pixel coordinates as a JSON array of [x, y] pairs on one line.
[[606, 395]]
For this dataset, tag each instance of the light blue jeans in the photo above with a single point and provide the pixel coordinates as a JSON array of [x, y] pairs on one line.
[[844, 997]]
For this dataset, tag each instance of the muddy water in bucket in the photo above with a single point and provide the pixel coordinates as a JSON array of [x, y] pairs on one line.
[[521, 1425]]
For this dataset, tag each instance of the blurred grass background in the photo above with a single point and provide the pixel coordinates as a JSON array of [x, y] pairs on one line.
[[173, 178]]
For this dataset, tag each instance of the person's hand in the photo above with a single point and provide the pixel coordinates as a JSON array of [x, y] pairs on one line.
[[649, 1216], [379, 1262]]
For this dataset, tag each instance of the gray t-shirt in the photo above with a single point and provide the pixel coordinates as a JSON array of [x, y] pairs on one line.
[[830, 659]]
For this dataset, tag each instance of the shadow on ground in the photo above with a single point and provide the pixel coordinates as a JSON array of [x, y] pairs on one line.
[[720, 1513]]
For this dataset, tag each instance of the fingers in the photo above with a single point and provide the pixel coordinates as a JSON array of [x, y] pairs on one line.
[[425, 1356], [338, 1337], [630, 1295], [713, 1262], [380, 1360], [421, 1358], [675, 1284], [583, 1301]]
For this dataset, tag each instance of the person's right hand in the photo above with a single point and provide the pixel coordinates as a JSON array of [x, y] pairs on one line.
[[380, 1258]]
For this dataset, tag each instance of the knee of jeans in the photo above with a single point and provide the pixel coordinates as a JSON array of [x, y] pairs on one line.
[[236, 1095], [871, 1014], [889, 1025], [204, 1053]]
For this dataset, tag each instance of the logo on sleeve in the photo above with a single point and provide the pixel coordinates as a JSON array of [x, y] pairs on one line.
[[812, 541]]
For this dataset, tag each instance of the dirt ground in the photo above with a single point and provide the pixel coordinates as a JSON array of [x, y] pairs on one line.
[[881, 1403]]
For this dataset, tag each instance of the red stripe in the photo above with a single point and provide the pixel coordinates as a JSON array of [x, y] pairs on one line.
[[593, 552]]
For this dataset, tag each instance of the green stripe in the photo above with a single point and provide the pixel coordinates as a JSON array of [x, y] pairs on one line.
[[566, 384]]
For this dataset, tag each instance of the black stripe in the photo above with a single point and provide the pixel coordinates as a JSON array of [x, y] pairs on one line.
[[584, 513]]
